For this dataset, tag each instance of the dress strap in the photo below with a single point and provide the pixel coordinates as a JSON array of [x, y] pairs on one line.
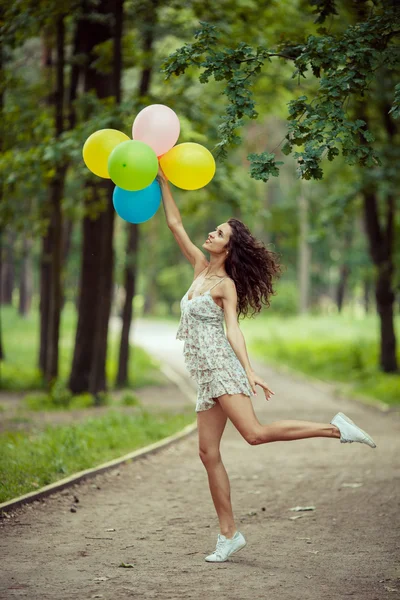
[[209, 290]]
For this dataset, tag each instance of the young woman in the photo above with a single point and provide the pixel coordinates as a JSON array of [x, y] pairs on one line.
[[237, 276]]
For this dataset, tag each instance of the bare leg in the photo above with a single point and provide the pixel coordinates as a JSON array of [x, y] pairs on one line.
[[284, 431], [211, 424], [239, 409]]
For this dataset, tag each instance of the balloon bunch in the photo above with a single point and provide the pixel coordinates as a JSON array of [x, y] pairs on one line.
[[133, 164]]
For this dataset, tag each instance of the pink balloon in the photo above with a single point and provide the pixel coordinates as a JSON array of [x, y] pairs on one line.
[[157, 126]]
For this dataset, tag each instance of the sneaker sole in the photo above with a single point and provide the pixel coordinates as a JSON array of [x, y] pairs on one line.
[[368, 437], [234, 552]]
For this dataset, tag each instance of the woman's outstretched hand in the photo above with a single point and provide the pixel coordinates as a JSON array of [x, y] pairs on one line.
[[256, 380]]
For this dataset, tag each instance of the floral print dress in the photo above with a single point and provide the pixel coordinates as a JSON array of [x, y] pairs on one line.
[[209, 357]]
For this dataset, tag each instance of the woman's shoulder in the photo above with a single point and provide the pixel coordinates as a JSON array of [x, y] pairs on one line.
[[228, 284]]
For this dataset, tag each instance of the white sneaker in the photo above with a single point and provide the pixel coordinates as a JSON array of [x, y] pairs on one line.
[[226, 547], [350, 432]]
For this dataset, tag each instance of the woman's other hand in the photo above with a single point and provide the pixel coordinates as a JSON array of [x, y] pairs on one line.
[[256, 380]]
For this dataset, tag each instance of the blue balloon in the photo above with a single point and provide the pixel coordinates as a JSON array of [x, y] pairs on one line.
[[140, 206]]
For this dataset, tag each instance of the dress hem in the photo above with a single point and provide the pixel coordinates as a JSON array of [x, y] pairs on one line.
[[214, 402]]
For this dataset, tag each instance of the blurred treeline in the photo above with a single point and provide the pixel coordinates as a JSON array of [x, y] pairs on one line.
[[71, 68]]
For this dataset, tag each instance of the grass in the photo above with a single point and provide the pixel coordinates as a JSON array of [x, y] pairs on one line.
[[337, 349], [21, 347], [39, 454], [31, 460]]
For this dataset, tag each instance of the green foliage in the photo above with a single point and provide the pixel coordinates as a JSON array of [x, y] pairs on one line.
[[345, 64], [395, 110], [130, 400], [244, 80], [263, 165], [85, 400], [103, 399], [60, 398], [38, 401], [338, 349], [35, 459], [286, 300], [324, 9], [20, 336]]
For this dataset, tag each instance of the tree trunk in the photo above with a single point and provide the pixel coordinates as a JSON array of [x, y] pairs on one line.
[[97, 380], [51, 262], [1, 182], [55, 232], [67, 235], [45, 255], [367, 295], [87, 306], [7, 270], [344, 271], [380, 247], [385, 300], [2, 356], [88, 366], [380, 241], [44, 290], [55, 299], [25, 280], [304, 253], [130, 285], [133, 230], [151, 294]]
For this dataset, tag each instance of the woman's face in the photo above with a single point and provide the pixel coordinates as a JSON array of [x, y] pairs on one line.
[[218, 239]]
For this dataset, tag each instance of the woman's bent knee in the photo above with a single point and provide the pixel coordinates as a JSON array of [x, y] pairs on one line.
[[254, 437]]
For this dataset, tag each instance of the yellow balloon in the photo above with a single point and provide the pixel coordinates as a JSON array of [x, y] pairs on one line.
[[189, 166], [98, 148]]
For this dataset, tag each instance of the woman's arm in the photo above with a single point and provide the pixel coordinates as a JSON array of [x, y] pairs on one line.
[[233, 331], [172, 213], [174, 222], [235, 336]]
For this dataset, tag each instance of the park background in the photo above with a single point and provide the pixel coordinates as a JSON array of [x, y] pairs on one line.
[[74, 275]]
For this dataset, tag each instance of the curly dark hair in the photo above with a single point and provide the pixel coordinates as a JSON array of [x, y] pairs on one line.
[[252, 267]]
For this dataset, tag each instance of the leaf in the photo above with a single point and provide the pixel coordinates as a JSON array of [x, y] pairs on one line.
[[286, 148], [126, 565], [263, 165]]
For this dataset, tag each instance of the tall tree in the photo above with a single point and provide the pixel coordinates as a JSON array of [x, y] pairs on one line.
[[55, 231], [381, 243], [304, 252], [88, 366], [345, 268], [25, 279], [127, 311]]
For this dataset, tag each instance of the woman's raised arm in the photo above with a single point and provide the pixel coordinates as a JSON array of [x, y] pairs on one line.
[[174, 222]]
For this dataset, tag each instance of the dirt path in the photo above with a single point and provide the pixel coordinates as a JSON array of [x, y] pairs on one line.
[[162, 520]]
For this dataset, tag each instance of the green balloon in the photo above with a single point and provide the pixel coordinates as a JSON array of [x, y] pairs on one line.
[[132, 165]]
